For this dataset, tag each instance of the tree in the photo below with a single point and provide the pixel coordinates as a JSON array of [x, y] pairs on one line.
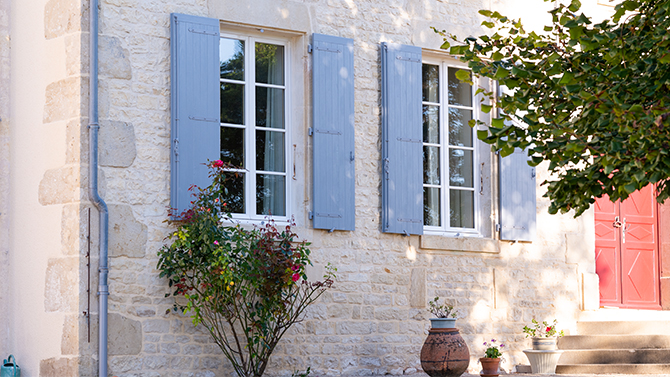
[[591, 99]]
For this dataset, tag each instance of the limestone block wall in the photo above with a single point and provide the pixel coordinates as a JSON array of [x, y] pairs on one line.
[[373, 322]]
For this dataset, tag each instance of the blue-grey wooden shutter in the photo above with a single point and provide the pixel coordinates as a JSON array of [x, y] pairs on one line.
[[195, 104], [402, 187], [517, 198], [333, 133]]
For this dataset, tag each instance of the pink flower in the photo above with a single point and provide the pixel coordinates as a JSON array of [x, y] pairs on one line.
[[295, 277], [217, 164], [216, 242], [295, 267]]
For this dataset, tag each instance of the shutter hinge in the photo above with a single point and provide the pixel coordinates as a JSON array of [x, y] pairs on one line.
[[175, 148], [532, 173], [310, 131], [498, 228], [352, 157], [309, 48], [310, 215]]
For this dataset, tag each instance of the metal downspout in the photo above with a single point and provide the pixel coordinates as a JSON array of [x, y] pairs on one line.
[[93, 129]]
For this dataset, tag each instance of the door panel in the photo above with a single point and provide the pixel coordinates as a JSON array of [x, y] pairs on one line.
[[639, 250], [627, 252], [608, 258]]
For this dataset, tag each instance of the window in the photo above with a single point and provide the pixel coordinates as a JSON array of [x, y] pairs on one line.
[[449, 156], [254, 124]]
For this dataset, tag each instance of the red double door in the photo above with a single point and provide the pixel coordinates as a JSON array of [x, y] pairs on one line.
[[627, 259]]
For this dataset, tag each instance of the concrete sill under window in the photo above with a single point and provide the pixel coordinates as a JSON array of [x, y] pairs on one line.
[[466, 244]]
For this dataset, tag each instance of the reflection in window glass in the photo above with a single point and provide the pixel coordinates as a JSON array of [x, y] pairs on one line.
[[270, 195], [269, 107], [233, 195], [269, 64], [460, 132], [460, 93], [431, 165], [431, 124], [231, 59], [232, 103], [270, 151], [431, 206], [232, 146], [461, 209], [431, 84], [460, 167]]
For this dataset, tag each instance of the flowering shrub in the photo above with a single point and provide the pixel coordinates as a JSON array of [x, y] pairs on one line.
[[542, 330], [492, 350], [246, 286], [441, 310]]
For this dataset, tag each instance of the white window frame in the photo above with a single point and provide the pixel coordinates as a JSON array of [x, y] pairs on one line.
[[250, 128], [445, 228]]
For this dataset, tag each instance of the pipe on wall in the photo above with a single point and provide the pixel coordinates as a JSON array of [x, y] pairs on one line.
[[94, 195]]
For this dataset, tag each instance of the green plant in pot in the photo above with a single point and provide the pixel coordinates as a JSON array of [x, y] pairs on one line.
[[491, 360], [544, 336], [246, 285], [445, 316]]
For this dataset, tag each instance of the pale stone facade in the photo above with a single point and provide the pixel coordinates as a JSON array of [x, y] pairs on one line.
[[373, 322]]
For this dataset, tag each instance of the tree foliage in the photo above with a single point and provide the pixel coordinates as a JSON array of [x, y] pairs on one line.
[[591, 99], [246, 286]]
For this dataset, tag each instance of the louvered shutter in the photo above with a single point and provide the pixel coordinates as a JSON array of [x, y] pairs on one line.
[[195, 103], [402, 189], [517, 198], [333, 133]]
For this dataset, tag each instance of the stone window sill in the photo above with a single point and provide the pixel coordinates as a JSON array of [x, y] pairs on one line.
[[436, 243]]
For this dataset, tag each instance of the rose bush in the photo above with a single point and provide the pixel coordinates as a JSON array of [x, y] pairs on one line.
[[247, 286]]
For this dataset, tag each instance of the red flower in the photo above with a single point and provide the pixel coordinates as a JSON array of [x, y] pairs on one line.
[[295, 277], [548, 329], [217, 164]]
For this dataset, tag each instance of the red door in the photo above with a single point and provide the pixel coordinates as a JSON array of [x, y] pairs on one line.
[[627, 251]]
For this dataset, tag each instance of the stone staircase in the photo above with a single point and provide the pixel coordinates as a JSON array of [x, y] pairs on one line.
[[616, 347]]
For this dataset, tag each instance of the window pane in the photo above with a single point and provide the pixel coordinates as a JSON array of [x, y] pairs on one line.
[[269, 64], [460, 167], [431, 206], [270, 151], [460, 93], [231, 59], [232, 146], [460, 132], [270, 194], [431, 165], [269, 107], [431, 83], [461, 211], [431, 124], [233, 194], [232, 103]]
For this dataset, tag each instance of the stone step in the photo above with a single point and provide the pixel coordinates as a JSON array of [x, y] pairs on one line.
[[613, 356], [612, 369], [593, 342], [623, 328]]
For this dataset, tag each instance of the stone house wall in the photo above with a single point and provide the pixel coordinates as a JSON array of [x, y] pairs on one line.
[[373, 322]]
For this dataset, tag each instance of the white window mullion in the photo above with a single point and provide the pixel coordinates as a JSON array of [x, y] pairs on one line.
[[250, 140], [444, 150]]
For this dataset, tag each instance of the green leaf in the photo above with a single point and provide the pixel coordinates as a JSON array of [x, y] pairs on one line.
[[486, 108], [463, 75], [497, 56], [498, 123], [501, 73], [445, 45], [574, 5], [481, 134], [630, 188], [488, 24]]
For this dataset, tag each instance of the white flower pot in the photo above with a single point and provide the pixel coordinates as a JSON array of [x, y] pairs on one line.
[[443, 323]]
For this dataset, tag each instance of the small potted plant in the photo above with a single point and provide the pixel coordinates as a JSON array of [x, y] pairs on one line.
[[444, 353], [543, 335], [445, 316], [491, 360]]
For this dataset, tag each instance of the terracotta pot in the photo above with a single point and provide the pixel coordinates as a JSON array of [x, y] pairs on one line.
[[489, 366], [544, 343], [444, 353]]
